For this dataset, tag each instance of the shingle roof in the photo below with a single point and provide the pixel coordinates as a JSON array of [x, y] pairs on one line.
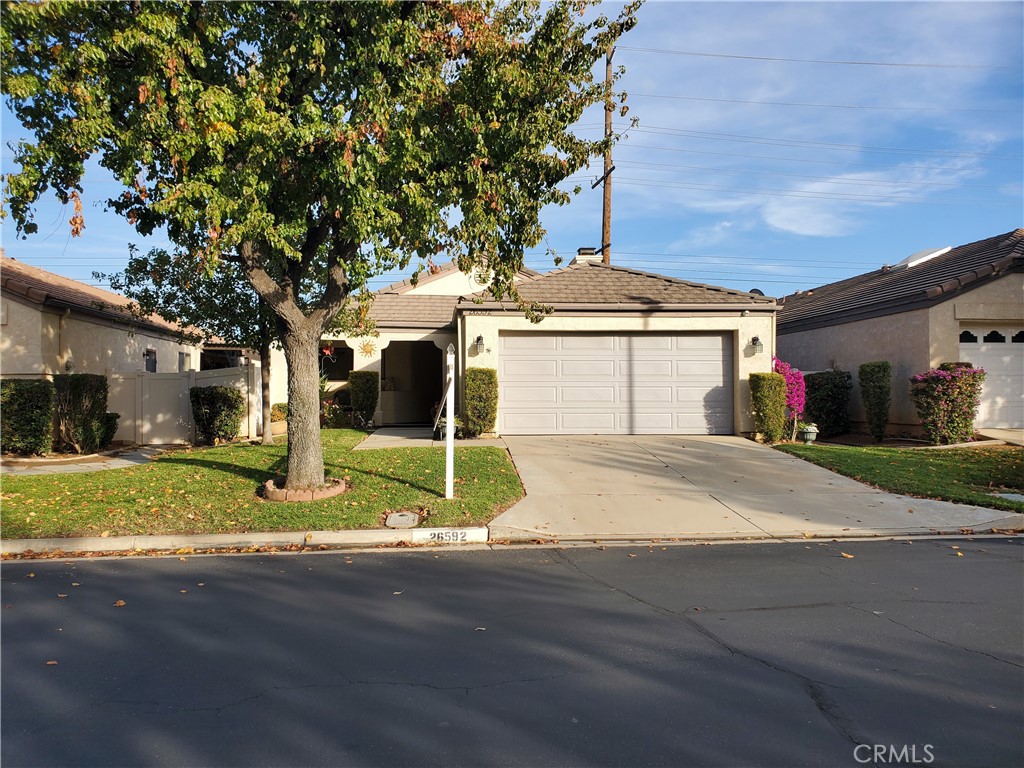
[[49, 289], [411, 310], [891, 290], [594, 283]]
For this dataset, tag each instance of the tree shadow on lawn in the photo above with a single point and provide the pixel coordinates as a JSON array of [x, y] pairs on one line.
[[279, 468]]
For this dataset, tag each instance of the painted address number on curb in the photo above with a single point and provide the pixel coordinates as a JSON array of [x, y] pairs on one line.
[[450, 535]]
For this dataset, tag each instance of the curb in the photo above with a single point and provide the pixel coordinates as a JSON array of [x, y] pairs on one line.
[[218, 541]]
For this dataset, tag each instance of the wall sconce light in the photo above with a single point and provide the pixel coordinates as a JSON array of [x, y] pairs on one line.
[[480, 346], [756, 344], [69, 365]]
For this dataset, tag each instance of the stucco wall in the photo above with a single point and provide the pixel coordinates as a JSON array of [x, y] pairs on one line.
[[901, 339], [39, 342], [454, 284], [28, 343], [489, 325]]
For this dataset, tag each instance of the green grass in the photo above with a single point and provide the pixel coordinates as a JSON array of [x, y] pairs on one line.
[[213, 490], [965, 475]]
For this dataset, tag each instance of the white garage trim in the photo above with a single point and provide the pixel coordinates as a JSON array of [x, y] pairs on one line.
[[999, 349], [615, 383]]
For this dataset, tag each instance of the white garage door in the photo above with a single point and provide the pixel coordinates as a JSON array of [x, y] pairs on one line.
[[583, 383], [1000, 351]]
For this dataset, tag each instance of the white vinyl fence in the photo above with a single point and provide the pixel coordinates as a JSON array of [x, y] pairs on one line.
[[155, 407]]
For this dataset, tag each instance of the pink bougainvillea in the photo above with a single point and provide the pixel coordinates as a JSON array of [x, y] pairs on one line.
[[795, 390]]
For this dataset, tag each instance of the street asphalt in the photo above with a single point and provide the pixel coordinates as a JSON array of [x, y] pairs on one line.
[[770, 654]]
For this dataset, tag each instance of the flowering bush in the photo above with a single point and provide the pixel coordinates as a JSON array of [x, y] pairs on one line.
[[947, 401], [795, 390]]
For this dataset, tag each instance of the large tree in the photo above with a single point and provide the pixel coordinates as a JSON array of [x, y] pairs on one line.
[[318, 144]]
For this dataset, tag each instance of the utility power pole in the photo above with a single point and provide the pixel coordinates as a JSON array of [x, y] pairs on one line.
[[606, 211]]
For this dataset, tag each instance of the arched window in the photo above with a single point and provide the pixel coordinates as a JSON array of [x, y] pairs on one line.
[[966, 337], [994, 337], [1018, 337]]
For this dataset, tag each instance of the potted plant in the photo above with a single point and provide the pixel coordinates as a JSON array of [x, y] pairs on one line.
[[807, 432]]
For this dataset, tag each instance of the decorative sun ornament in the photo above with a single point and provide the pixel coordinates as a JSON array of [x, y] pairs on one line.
[[367, 348]]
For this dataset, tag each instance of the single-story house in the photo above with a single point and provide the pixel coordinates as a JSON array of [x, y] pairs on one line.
[[940, 305], [52, 324], [622, 352]]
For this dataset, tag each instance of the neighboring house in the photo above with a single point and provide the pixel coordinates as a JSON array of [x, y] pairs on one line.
[[941, 305], [623, 352], [52, 324]]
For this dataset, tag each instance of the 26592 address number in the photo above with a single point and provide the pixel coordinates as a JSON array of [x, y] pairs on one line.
[[448, 537]]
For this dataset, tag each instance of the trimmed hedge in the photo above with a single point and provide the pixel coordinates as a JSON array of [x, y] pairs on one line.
[[828, 401], [875, 394], [218, 413], [947, 400], [480, 409], [364, 389], [80, 413], [26, 415], [768, 398]]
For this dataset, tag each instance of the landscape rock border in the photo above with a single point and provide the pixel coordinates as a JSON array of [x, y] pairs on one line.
[[335, 487]]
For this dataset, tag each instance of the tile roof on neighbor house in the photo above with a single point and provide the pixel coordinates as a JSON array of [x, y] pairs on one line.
[[593, 285], [52, 290], [901, 288], [428, 276]]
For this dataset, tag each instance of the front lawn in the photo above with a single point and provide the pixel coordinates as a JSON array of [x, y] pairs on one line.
[[213, 490], [965, 475]]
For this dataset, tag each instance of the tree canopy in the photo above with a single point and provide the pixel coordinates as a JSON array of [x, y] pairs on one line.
[[314, 144]]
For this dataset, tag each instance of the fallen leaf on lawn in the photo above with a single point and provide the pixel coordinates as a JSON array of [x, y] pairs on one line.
[[959, 554], [105, 534], [51, 663], [849, 557], [119, 604]]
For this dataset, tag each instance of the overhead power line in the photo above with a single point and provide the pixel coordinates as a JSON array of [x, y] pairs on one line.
[[825, 106], [922, 65]]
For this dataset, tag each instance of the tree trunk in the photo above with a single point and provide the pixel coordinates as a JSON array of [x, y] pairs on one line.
[[268, 430], [305, 452]]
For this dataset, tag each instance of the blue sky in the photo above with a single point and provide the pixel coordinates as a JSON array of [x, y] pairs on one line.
[[748, 168]]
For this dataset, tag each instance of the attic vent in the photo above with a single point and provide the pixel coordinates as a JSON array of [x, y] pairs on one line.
[[922, 256]]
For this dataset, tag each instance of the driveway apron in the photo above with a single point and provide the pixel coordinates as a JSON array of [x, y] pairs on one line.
[[681, 487]]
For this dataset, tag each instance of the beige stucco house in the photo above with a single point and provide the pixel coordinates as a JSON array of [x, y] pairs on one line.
[[941, 305], [622, 352], [51, 324]]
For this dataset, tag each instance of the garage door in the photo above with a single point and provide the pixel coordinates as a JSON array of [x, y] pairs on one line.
[[1000, 351], [583, 383]]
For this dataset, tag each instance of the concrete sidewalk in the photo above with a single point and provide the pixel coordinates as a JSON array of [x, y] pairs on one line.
[[721, 487], [73, 464]]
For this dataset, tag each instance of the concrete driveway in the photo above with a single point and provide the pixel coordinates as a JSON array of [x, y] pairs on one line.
[[685, 487]]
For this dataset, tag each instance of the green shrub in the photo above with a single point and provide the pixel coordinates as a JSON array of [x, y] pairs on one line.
[[279, 412], [26, 415], [768, 397], [364, 389], [875, 393], [828, 401], [108, 428], [947, 400], [480, 408], [217, 412], [80, 412]]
